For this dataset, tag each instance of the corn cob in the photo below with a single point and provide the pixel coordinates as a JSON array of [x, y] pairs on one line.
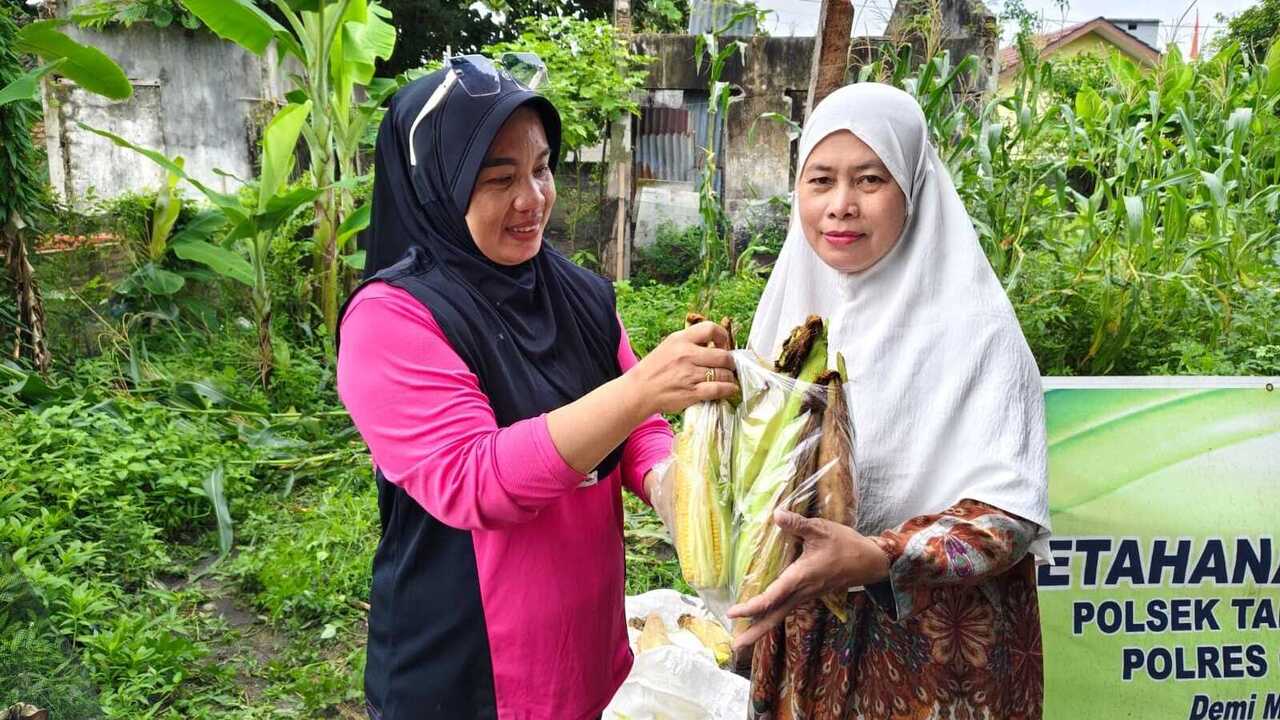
[[701, 502], [654, 633], [835, 499], [776, 549], [700, 520], [764, 471], [711, 634]]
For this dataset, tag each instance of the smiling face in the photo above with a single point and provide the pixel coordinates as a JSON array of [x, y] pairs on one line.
[[514, 192], [851, 209]]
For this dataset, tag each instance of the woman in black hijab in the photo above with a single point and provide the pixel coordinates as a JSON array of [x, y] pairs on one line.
[[504, 409]]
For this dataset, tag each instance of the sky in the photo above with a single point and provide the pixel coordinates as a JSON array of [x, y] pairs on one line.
[[800, 17]]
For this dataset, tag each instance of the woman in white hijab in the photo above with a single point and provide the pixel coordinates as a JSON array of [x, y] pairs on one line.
[[949, 442]]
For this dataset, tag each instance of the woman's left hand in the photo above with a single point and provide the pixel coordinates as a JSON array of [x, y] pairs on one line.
[[835, 558]]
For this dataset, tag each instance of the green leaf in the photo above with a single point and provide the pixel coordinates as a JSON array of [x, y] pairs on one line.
[[1089, 106], [305, 5], [282, 207], [28, 387], [167, 208], [379, 89], [1217, 189], [88, 67], [207, 393], [218, 259], [1112, 439], [289, 46], [355, 58], [1134, 213], [159, 281], [355, 222], [244, 228], [239, 21], [366, 42], [215, 489], [201, 227], [793, 128], [1238, 122], [27, 86], [198, 395], [1273, 69], [355, 260], [1124, 69], [278, 142]]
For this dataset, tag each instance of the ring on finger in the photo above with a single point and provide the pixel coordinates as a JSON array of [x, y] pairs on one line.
[[711, 375]]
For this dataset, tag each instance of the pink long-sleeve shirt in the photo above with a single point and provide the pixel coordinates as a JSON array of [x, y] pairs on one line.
[[548, 550]]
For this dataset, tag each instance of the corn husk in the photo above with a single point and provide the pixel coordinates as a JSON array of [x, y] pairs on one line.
[[736, 463], [702, 501]]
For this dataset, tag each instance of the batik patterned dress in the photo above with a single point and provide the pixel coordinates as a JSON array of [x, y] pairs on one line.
[[954, 634]]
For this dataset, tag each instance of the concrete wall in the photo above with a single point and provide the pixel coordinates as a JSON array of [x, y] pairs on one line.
[[756, 158], [772, 76], [960, 18], [194, 95], [779, 62], [1148, 31], [968, 28]]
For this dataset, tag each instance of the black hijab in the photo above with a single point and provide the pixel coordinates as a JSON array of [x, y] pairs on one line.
[[538, 335]]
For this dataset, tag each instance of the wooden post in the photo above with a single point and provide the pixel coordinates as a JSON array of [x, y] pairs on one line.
[[619, 176], [830, 51]]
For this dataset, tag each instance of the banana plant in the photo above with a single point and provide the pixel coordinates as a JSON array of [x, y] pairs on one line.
[[253, 217], [27, 86], [337, 43], [150, 280], [86, 66], [19, 174]]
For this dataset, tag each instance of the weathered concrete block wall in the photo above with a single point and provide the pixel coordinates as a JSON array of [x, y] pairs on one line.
[[195, 95], [968, 28], [776, 62], [757, 153], [771, 75]]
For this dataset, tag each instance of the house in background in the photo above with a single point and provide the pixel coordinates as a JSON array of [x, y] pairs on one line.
[[1100, 36]]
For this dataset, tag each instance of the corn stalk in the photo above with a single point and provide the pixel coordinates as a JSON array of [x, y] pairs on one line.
[[1139, 202]]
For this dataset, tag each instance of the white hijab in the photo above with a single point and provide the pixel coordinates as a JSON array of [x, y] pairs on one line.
[[944, 393]]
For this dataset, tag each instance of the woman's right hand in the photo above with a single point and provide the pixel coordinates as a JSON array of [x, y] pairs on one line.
[[675, 375]]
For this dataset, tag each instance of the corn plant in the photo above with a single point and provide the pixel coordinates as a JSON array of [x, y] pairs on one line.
[[717, 242], [1140, 202]]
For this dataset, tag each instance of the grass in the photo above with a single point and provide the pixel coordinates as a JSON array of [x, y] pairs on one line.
[[113, 600]]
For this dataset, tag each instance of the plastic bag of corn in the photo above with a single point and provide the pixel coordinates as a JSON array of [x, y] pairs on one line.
[[785, 444]]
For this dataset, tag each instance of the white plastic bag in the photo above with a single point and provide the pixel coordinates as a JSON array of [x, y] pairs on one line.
[[680, 681]]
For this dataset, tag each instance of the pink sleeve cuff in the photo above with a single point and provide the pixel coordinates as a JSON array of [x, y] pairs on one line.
[[546, 473], [649, 445]]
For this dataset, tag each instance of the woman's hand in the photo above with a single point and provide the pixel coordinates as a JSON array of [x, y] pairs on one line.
[[835, 558], [669, 379], [683, 370]]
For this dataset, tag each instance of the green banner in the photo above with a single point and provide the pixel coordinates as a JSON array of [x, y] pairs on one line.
[[1163, 598]]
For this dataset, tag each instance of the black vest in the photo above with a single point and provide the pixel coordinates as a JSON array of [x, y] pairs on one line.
[[428, 651]]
